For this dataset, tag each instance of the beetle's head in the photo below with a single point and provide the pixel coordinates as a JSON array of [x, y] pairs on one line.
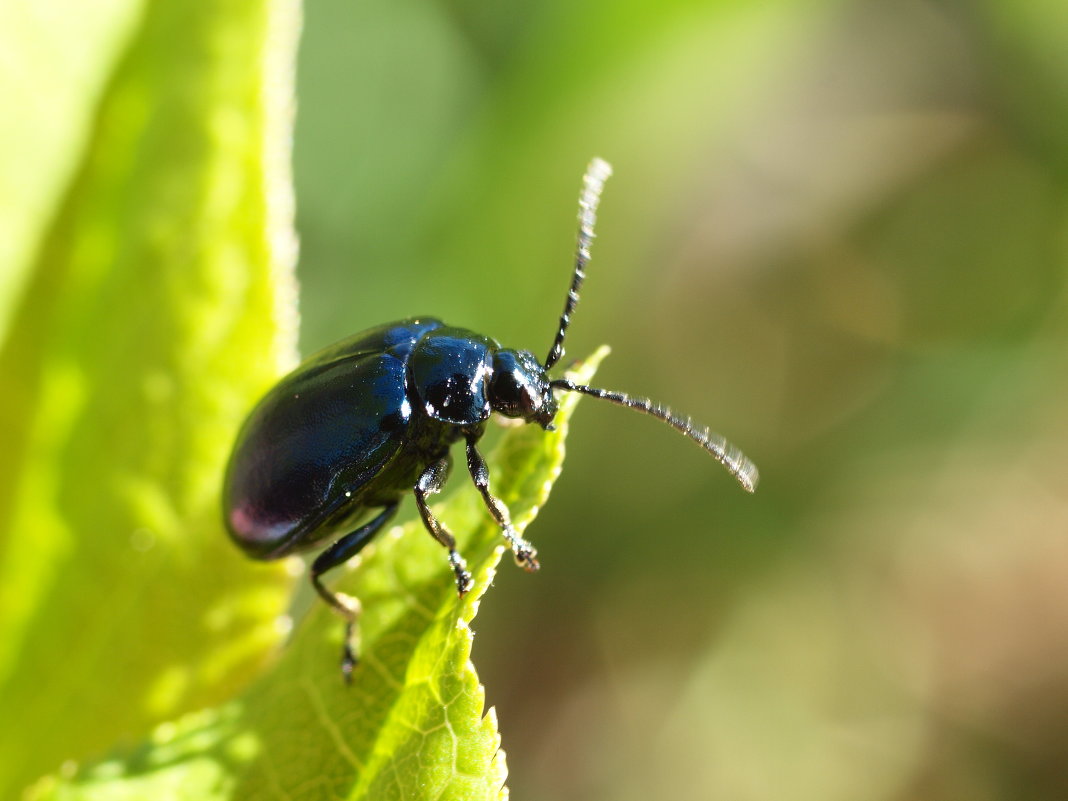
[[520, 388]]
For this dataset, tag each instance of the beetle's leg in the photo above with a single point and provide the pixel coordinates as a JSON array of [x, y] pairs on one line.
[[346, 605], [523, 551], [431, 481]]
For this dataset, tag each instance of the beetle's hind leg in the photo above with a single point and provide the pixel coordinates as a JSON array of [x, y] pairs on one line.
[[432, 480], [346, 605], [523, 551]]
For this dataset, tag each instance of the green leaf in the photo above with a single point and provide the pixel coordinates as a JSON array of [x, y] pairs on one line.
[[46, 114], [160, 303], [411, 725]]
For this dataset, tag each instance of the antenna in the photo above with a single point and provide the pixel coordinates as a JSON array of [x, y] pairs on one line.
[[592, 184], [736, 462]]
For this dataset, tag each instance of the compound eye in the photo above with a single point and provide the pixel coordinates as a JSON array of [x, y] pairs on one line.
[[528, 400], [516, 390]]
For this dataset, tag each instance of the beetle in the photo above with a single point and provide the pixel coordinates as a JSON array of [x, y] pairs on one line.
[[363, 422]]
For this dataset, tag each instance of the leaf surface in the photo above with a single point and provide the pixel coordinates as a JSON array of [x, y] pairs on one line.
[[159, 305], [412, 724]]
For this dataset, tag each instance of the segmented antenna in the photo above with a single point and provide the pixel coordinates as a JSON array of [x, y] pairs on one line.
[[592, 184], [736, 462]]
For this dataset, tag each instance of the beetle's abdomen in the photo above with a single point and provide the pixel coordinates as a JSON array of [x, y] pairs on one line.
[[309, 447]]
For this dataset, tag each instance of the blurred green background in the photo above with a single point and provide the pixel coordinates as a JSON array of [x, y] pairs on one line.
[[837, 234]]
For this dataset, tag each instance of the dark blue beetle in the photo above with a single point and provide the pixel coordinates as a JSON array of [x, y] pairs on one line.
[[366, 420]]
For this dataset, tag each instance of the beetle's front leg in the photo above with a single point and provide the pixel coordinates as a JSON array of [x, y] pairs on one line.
[[432, 480], [523, 551]]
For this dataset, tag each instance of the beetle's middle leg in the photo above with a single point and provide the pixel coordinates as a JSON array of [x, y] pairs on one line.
[[346, 605], [523, 551], [432, 480]]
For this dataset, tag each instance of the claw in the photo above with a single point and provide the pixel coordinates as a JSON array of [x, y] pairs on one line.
[[348, 654], [464, 582], [524, 557], [522, 550], [348, 664]]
